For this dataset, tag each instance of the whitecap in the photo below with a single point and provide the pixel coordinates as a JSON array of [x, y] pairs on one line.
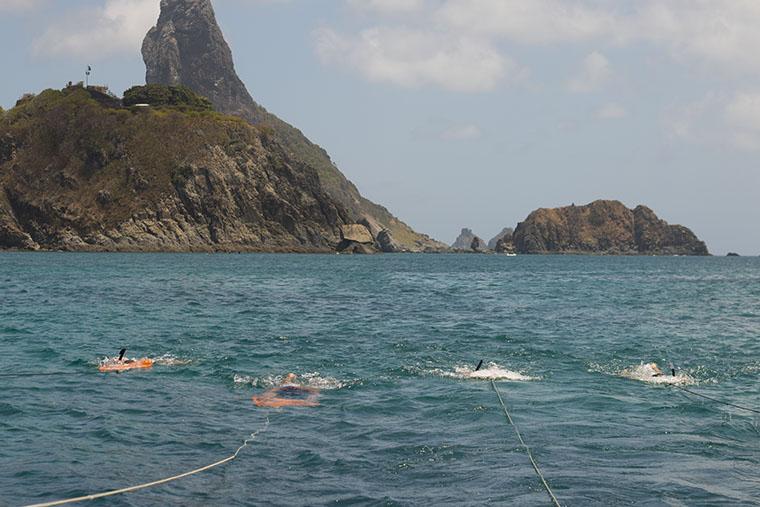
[[649, 372], [312, 379], [170, 360], [492, 371]]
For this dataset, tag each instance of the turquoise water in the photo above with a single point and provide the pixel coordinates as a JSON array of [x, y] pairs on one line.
[[388, 340]]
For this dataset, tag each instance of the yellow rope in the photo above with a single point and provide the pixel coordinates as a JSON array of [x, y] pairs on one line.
[[525, 446], [155, 483]]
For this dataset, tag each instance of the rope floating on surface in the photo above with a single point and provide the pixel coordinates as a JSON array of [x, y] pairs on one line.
[[555, 502], [716, 400], [42, 374], [158, 482]]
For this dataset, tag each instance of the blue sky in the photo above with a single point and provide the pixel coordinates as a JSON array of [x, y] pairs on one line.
[[472, 113]]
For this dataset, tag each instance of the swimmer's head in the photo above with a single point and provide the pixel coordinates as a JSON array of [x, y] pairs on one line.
[[290, 378]]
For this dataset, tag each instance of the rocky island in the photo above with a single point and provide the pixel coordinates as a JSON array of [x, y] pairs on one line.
[[468, 241], [603, 227], [188, 163]]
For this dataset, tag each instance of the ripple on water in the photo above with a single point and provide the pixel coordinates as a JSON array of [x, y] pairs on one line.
[[645, 372], [311, 379], [491, 371]]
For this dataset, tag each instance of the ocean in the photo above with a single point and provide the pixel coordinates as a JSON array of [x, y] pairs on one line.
[[391, 343]]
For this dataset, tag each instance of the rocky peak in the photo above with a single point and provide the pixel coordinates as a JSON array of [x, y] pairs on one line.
[[187, 47]]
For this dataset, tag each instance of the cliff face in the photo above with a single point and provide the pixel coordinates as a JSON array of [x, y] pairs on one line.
[[187, 47], [465, 240], [79, 175], [505, 234], [604, 227]]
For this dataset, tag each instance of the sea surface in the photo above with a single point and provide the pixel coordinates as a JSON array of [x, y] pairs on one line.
[[391, 342]]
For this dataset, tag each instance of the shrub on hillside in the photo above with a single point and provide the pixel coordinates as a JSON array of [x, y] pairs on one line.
[[166, 96]]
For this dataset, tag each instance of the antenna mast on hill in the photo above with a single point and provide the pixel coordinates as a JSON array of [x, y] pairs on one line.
[[87, 76]]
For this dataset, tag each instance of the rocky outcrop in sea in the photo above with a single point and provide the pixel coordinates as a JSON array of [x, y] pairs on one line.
[[467, 240], [604, 227], [505, 234]]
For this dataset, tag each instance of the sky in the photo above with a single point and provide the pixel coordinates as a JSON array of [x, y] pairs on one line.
[[472, 113]]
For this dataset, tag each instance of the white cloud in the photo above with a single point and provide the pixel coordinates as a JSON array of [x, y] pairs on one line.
[[461, 133], [719, 120], [388, 6], [717, 32], [594, 73], [528, 21], [611, 111], [118, 26], [709, 34], [413, 58]]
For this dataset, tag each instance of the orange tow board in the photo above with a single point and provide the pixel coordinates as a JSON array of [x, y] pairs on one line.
[[118, 366], [288, 396]]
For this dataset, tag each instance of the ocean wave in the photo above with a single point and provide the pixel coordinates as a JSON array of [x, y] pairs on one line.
[[312, 379], [171, 360], [649, 372], [164, 360], [491, 371], [646, 372]]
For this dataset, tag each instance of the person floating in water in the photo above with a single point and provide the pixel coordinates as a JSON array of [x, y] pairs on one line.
[[656, 371], [288, 394], [119, 364], [121, 359]]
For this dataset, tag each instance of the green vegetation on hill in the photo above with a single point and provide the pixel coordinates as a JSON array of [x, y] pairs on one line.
[[79, 174], [161, 96], [85, 147]]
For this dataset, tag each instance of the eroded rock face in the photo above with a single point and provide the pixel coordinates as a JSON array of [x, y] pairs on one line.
[[467, 240], [356, 238], [356, 233], [477, 245], [505, 246], [604, 227], [506, 234], [187, 47], [387, 243], [163, 181]]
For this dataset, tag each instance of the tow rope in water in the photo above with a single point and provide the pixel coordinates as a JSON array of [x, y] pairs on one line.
[[525, 446], [158, 482], [716, 400], [42, 374]]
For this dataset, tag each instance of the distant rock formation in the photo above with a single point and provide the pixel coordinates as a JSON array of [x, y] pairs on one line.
[[604, 227], [187, 47], [467, 240], [506, 233], [505, 246]]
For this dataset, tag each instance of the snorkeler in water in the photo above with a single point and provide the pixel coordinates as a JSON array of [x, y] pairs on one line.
[[121, 359], [288, 394]]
